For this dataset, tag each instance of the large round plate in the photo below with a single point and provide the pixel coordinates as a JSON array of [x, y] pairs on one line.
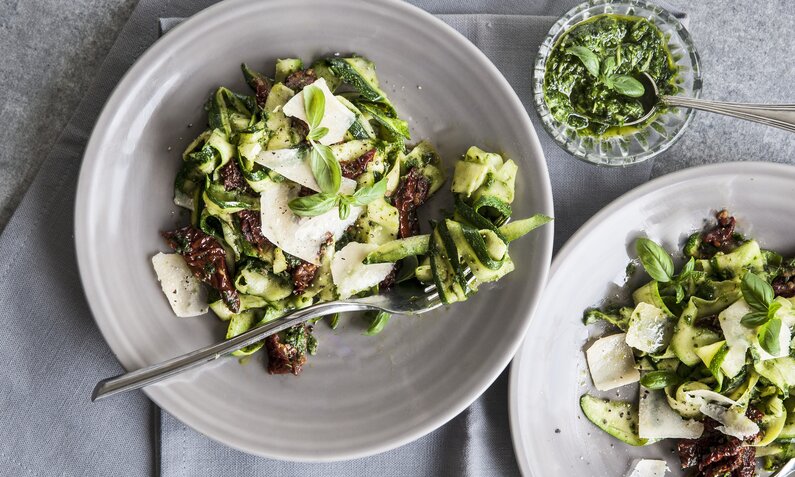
[[360, 395], [549, 374]]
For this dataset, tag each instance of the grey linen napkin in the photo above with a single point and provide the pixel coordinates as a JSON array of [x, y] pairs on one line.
[[53, 353]]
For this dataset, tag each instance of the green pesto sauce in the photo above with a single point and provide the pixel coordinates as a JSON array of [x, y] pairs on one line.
[[624, 45]]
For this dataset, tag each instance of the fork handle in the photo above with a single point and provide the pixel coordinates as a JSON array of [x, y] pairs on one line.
[[776, 115], [160, 371]]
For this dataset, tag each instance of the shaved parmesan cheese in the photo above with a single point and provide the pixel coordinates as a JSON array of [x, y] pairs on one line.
[[350, 275], [739, 338], [736, 334], [299, 236], [733, 362], [656, 419], [184, 291], [648, 468], [337, 118], [611, 362], [294, 165], [735, 422], [698, 397], [650, 329]]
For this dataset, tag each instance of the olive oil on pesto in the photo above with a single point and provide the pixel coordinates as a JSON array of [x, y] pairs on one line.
[[585, 98]]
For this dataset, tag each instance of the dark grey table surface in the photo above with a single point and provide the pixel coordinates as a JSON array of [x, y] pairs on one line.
[[49, 59]]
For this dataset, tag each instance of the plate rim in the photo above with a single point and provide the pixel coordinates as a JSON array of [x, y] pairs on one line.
[[188, 28], [757, 168]]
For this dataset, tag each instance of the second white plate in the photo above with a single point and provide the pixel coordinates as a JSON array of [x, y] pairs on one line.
[[549, 374]]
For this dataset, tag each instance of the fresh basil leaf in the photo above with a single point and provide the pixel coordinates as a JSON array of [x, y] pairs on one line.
[[659, 379], [773, 309], [344, 207], [688, 267], [627, 85], [588, 58], [754, 319], [325, 168], [367, 194], [655, 260], [377, 323], [680, 293], [756, 291], [608, 66], [316, 134], [314, 105], [312, 205], [768, 336]]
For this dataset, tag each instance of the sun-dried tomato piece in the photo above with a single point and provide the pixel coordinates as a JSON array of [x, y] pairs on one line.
[[303, 274], [232, 178], [300, 79], [300, 127], [709, 322], [715, 454], [206, 258], [305, 191], [251, 227], [262, 89], [283, 358], [389, 281], [287, 350], [355, 167], [784, 283], [722, 235], [411, 193]]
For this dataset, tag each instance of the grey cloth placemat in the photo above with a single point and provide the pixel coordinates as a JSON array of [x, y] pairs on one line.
[[50, 348]]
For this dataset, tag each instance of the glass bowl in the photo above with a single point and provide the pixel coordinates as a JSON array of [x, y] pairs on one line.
[[655, 137]]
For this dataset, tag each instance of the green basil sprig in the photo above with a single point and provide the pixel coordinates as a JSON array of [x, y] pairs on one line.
[[312, 205], [660, 266], [314, 105], [325, 167], [760, 298], [655, 260], [768, 336], [316, 204], [588, 58], [756, 291], [623, 84], [626, 85]]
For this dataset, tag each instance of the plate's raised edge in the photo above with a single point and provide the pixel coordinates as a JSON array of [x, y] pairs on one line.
[[748, 168], [181, 33]]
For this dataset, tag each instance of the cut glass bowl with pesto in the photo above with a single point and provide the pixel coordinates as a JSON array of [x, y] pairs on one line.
[[586, 86]]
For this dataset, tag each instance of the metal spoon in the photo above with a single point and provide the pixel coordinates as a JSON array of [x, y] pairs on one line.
[[776, 115]]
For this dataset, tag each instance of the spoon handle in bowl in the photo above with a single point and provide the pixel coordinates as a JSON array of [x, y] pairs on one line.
[[776, 115]]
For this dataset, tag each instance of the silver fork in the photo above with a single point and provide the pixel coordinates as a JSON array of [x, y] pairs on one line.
[[404, 299], [785, 470]]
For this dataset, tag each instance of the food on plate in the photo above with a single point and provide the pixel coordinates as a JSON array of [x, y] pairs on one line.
[[648, 468], [711, 347], [305, 190], [591, 81]]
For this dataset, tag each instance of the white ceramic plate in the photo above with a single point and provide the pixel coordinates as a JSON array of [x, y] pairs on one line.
[[549, 374], [360, 395]]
